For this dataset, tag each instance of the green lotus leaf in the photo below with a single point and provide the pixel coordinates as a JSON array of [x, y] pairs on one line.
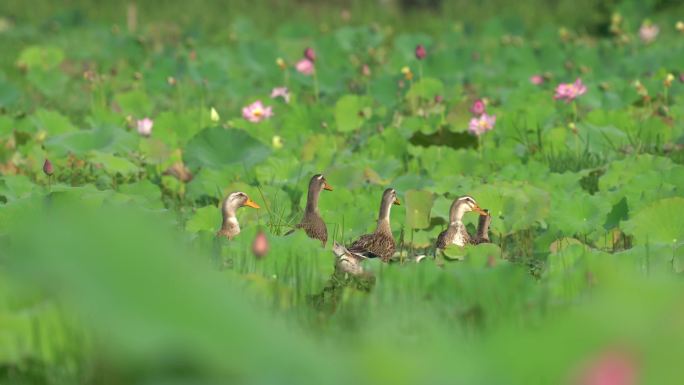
[[113, 164], [14, 187], [426, 88], [578, 212], [215, 147], [51, 82], [52, 122], [145, 190], [104, 139], [658, 223], [484, 254], [418, 205], [135, 103], [207, 218], [40, 57], [349, 114], [454, 253]]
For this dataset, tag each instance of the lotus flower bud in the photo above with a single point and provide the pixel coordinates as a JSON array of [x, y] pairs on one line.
[[668, 80], [310, 54], [260, 245], [478, 107], [47, 167], [420, 52]]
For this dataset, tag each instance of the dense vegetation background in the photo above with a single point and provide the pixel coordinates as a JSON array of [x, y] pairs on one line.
[[110, 272]]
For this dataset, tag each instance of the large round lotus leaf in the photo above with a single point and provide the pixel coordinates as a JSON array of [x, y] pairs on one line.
[[658, 223], [454, 253], [113, 164], [51, 82], [641, 180], [426, 88], [484, 254], [40, 57], [440, 208], [13, 187], [418, 204], [211, 182], [514, 206], [105, 139], [283, 170], [206, 218], [216, 147], [578, 212], [52, 122], [652, 258], [145, 191], [135, 103], [349, 114], [175, 128]]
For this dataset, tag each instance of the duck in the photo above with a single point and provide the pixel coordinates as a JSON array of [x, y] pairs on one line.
[[311, 222], [347, 262], [483, 228], [379, 244], [230, 226], [456, 233]]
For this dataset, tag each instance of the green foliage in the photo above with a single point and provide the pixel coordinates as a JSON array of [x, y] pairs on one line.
[[350, 112], [110, 271], [216, 147]]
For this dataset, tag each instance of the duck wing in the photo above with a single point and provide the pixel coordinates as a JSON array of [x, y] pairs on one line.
[[377, 245]]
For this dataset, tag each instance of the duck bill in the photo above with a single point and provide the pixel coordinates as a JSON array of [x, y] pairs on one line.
[[326, 186], [251, 203], [396, 202], [480, 211]]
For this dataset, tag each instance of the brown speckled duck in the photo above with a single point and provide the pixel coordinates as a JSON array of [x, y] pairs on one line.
[[312, 223], [379, 244], [230, 226], [456, 233]]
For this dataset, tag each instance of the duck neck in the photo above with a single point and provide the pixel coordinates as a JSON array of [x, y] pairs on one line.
[[230, 221], [456, 214], [384, 218], [312, 200]]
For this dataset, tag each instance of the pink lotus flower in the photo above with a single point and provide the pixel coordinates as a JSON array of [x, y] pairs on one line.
[[305, 66], [282, 92], [478, 108], [570, 91], [611, 368], [481, 124], [648, 32], [256, 112], [536, 79], [145, 126], [310, 54], [420, 52]]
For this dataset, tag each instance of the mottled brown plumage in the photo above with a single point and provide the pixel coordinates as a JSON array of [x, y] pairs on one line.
[[379, 244], [312, 223], [453, 234]]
